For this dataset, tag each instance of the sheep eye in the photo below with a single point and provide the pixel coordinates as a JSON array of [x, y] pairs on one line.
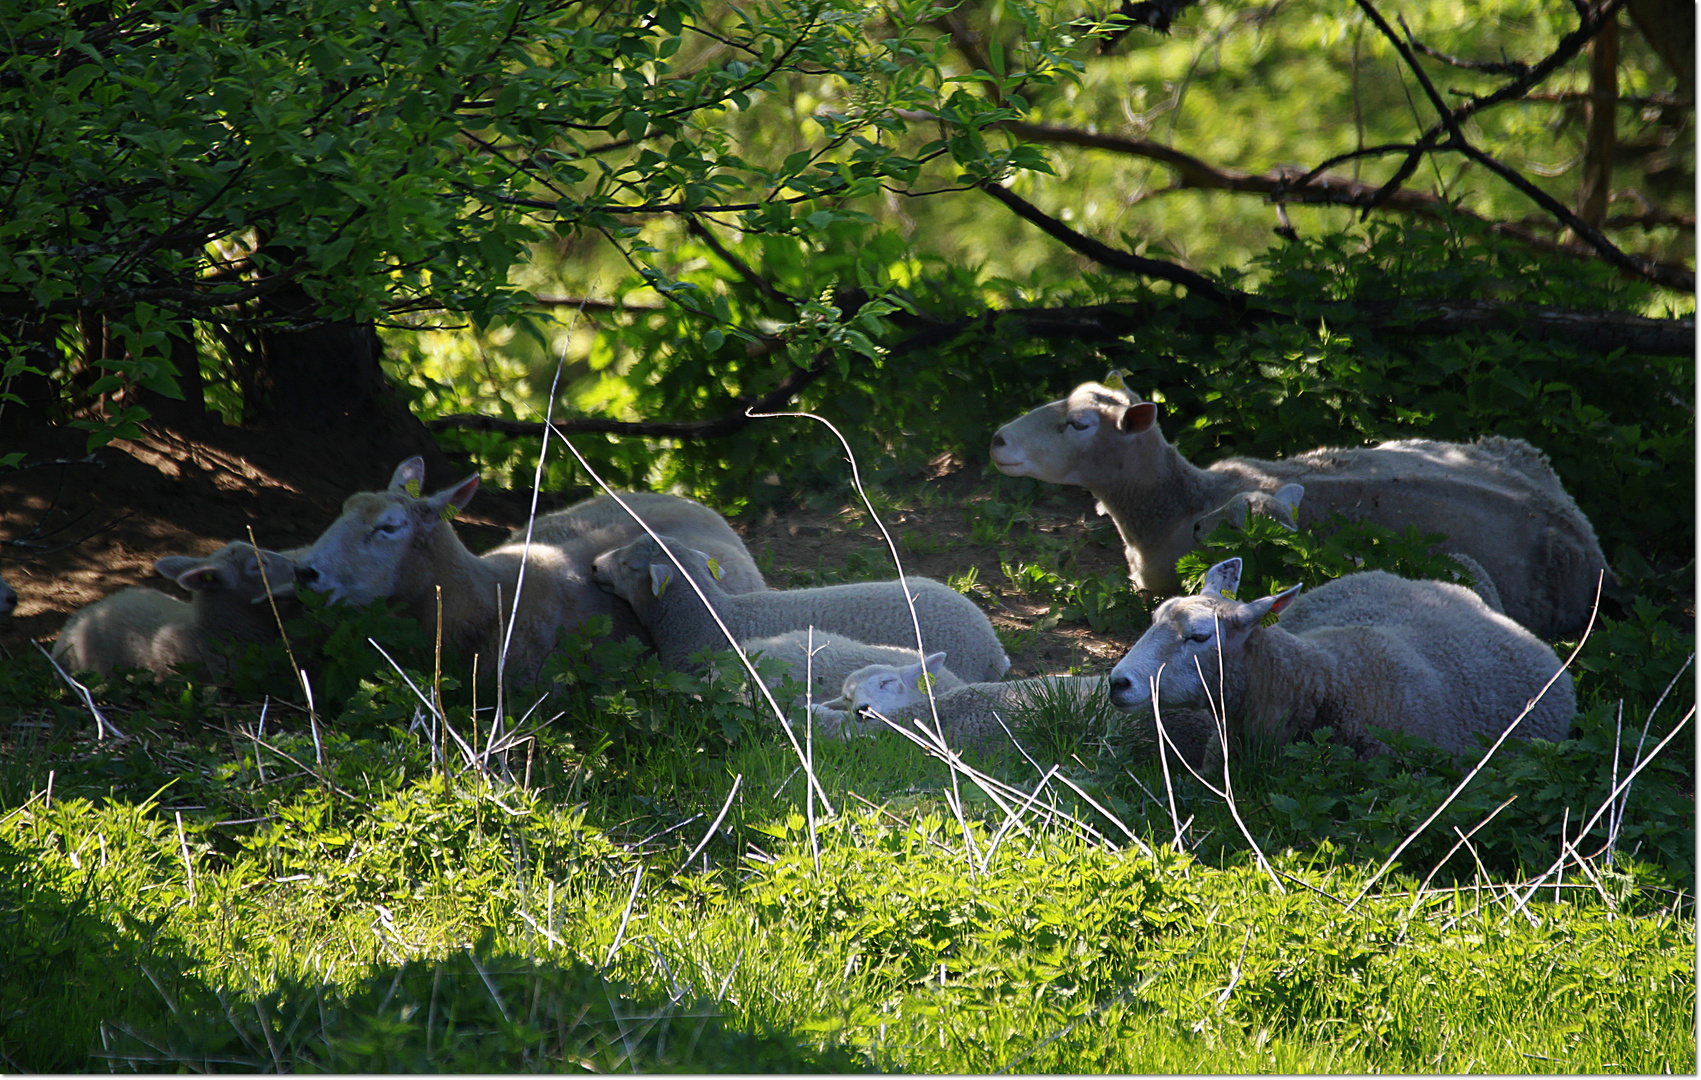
[[388, 528], [1198, 639], [1078, 425]]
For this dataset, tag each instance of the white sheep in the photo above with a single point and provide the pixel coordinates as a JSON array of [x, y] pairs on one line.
[[1495, 499], [1281, 506], [823, 661], [8, 600], [969, 715], [398, 544], [1424, 657], [144, 628], [600, 524], [870, 611]]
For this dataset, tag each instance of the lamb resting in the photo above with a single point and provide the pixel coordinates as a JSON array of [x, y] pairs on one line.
[[968, 715], [1496, 500], [1424, 657], [643, 575], [823, 661], [144, 628], [395, 543]]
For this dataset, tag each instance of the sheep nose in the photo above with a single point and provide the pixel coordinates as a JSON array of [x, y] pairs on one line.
[[1121, 684], [306, 575], [997, 441]]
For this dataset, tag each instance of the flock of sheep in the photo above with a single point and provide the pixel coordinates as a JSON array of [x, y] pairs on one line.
[[1430, 658]]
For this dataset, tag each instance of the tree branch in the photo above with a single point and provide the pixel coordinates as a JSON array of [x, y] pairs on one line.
[[726, 424], [1111, 257]]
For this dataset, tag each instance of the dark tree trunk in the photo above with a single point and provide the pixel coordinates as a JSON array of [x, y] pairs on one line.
[[326, 377]]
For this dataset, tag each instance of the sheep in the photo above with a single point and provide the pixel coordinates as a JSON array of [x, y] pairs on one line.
[[823, 661], [144, 628], [1280, 506], [1424, 657], [600, 524], [969, 715], [1497, 500], [872, 611], [397, 544], [8, 600]]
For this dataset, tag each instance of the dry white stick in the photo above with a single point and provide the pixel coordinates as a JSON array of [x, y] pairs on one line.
[[1489, 753], [1623, 785], [1219, 716], [183, 846], [102, 724], [755, 679], [720, 817], [1463, 838], [938, 732], [627, 914]]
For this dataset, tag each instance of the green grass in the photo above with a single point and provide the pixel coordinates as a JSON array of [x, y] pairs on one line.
[[338, 899]]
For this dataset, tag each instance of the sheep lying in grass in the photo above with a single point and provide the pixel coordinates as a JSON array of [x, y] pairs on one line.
[[871, 611], [8, 600], [1495, 499], [1283, 506], [600, 524], [823, 661], [143, 628], [1423, 657], [969, 715], [1280, 506], [394, 543]]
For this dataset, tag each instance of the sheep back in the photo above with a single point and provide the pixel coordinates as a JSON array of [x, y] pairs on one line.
[[872, 612]]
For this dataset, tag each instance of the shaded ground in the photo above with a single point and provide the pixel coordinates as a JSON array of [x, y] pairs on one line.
[[77, 527]]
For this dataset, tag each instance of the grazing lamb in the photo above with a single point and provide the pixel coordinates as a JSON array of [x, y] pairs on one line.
[[872, 611], [1424, 657], [144, 628], [8, 600], [969, 715], [1496, 499], [825, 660], [397, 544]]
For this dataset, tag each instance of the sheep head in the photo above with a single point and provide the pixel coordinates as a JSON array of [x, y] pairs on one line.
[[886, 688], [1191, 638], [1076, 439], [366, 553], [642, 570], [239, 569], [1281, 506]]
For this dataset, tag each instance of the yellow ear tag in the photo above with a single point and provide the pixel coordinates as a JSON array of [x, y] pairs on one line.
[[923, 682], [412, 488], [1117, 379], [715, 569]]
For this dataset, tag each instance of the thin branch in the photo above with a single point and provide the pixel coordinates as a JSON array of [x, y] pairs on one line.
[[1113, 258]]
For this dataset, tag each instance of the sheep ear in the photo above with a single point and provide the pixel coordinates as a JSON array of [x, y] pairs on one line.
[[1279, 603], [661, 575], [935, 663], [173, 565], [443, 505], [204, 577], [1289, 495], [1137, 418], [408, 477], [1222, 578]]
